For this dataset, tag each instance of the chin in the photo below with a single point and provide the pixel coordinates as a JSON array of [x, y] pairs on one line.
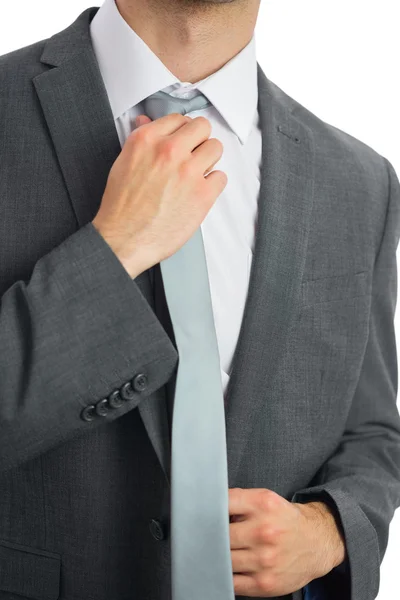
[[212, 1]]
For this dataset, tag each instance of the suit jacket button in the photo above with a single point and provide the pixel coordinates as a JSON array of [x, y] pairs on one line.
[[89, 413], [115, 400], [140, 382], [127, 392], [102, 407], [157, 530]]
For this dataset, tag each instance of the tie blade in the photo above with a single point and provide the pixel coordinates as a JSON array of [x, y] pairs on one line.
[[201, 565]]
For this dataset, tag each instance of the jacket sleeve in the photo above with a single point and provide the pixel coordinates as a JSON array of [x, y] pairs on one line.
[[361, 480], [77, 331]]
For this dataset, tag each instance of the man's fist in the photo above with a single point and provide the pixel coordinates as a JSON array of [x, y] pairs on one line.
[[277, 546]]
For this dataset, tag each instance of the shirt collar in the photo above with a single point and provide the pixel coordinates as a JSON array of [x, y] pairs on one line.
[[131, 71]]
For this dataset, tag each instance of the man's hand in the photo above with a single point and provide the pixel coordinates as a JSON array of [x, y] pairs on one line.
[[280, 546], [157, 191]]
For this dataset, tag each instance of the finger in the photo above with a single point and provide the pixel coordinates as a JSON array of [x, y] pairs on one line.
[[243, 501], [243, 535], [237, 502], [245, 585], [142, 120], [201, 154], [218, 179], [195, 132], [244, 561], [167, 124], [255, 500]]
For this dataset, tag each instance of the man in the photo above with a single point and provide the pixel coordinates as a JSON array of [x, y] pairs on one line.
[[93, 202]]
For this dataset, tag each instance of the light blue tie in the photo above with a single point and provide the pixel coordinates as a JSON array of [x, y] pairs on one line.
[[201, 565]]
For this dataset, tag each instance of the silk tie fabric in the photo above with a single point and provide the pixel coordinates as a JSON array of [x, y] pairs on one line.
[[201, 565]]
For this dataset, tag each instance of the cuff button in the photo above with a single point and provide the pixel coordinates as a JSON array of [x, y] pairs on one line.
[[140, 382], [127, 392], [89, 413], [102, 408], [115, 400]]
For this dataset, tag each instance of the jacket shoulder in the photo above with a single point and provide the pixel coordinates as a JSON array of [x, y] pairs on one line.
[[356, 174], [331, 140], [18, 67]]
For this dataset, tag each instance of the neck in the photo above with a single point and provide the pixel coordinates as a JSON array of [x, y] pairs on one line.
[[193, 38]]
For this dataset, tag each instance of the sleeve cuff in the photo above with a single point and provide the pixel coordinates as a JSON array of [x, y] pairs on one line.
[[357, 578]]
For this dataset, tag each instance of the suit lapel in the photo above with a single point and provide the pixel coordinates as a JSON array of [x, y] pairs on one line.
[[284, 211], [80, 122]]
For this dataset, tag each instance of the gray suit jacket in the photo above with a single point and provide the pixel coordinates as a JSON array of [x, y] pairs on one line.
[[85, 438]]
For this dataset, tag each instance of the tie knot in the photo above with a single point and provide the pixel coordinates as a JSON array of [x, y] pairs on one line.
[[160, 104]]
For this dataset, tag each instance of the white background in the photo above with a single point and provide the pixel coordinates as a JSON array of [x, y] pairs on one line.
[[339, 59]]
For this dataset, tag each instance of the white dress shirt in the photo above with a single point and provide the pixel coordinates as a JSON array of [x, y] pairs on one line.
[[131, 71]]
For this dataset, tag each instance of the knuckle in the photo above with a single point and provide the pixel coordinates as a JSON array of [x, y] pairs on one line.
[[273, 533], [142, 134], [188, 169], [168, 149], [236, 493], [264, 533], [264, 559], [216, 146], [203, 121], [265, 582], [267, 533], [217, 143], [176, 116], [267, 558], [266, 499]]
